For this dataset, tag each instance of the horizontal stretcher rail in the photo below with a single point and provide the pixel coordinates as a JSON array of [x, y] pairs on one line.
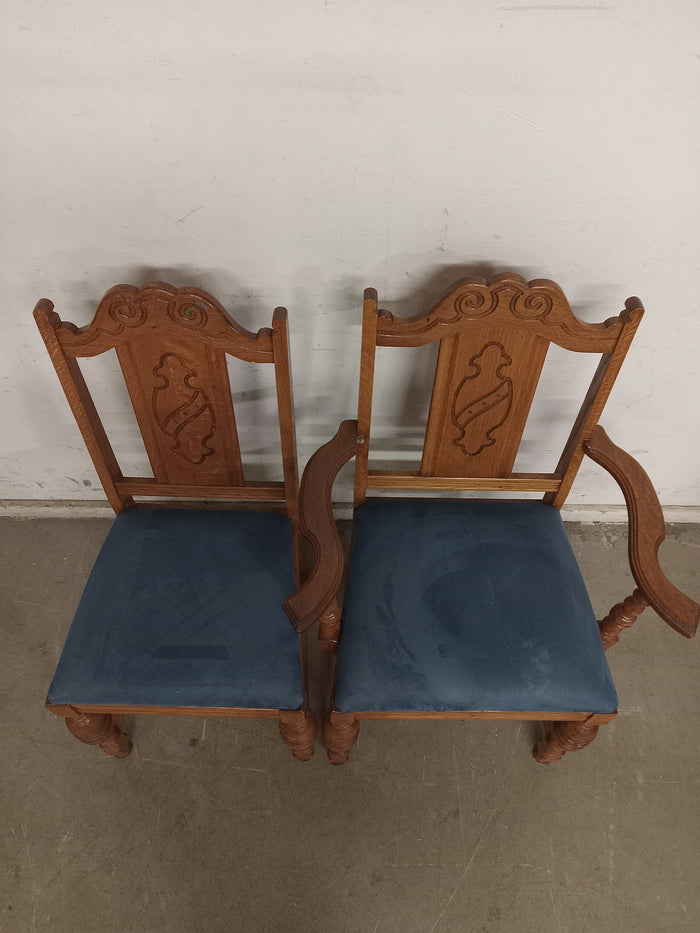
[[516, 482], [133, 486]]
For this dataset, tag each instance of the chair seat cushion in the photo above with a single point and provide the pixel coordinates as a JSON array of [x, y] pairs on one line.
[[183, 608], [467, 605]]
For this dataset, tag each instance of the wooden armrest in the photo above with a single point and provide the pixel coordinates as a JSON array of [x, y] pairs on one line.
[[310, 599], [646, 532]]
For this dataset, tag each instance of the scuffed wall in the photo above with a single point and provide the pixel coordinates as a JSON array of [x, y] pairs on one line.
[[295, 153]]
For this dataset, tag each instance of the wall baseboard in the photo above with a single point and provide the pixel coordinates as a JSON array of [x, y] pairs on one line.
[[617, 514], [55, 508], [613, 514], [21, 509]]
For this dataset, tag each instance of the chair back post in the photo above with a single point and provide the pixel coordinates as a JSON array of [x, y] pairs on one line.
[[82, 405], [171, 345], [595, 399], [364, 409], [494, 337], [285, 405]]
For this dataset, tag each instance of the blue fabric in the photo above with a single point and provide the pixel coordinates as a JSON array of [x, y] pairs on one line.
[[183, 608], [470, 605]]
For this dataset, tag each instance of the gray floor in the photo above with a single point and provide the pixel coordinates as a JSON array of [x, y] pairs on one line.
[[211, 825]]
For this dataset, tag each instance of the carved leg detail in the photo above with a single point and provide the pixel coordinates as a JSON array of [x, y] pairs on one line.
[[620, 617], [329, 628], [298, 729], [101, 729], [563, 737], [340, 733]]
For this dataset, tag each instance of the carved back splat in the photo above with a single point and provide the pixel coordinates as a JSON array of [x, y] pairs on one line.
[[484, 385], [171, 345], [494, 339]]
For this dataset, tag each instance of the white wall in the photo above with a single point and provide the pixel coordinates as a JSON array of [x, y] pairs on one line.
[[294, 153]]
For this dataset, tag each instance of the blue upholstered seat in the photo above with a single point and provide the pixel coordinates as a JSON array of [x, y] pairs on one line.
[[183, 608], [467, 605]]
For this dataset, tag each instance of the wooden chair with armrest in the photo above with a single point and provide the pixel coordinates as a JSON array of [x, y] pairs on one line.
[[467, 608], [182, 611]]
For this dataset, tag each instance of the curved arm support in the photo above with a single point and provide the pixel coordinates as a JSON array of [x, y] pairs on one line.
[[311, 599], [646, 532]]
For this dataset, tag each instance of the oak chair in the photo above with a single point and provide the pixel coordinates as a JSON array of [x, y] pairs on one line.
[[468, 608], [182, 611]]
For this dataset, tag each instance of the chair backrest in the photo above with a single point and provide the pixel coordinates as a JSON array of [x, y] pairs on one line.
[[171, 345], [494, 338]]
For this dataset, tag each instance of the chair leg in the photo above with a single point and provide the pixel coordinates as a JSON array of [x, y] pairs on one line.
[[101, 729], [298, 729], [563, 737], [340, 733], [620, 617]]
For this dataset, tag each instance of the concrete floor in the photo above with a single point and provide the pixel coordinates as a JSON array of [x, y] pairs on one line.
[[431, 827]]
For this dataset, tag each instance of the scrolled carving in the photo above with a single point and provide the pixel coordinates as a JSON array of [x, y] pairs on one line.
[[189, 315], [126, 313], [528, 304], [473, 303], [475, 300], [125, 308], [477, 413], [182, 410], [539, 305]]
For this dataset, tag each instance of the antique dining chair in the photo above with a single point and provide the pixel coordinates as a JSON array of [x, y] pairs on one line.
[[472, 608], [182, 611]]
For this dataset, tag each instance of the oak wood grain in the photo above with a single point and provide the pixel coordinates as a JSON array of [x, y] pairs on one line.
[[100, 729], [82, 406], [485, 381], [318, 592], [298, 729], [340, 732], [133, 710], [494, 338], [412, 479], [565, 737], [621, 616], [539, 308], [364, 404], [646, 532], [252, 491], [530, 716], [171, 345], [592, 407]]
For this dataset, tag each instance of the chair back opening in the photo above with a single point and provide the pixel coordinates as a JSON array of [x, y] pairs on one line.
[[493, 341], [172, 347]]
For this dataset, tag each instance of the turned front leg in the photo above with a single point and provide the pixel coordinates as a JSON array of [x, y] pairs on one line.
[[340, 733], [298, 729], [101, 729], [620, 617], [568, 736]]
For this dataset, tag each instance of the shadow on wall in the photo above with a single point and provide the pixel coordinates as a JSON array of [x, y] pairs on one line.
[[432, 286], [404, 376], [248, 308], [325, 319], [253, 386]]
